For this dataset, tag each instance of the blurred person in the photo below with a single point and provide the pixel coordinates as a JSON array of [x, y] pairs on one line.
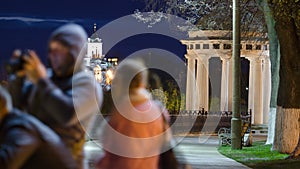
[[132, 138], [64, 97], [26, 143]]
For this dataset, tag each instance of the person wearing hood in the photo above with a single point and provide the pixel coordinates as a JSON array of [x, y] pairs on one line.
[[64, 98]]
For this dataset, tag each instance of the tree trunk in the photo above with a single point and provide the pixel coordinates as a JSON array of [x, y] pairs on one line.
[[287, 129], [288, 112], [296, 151], [275, 61]]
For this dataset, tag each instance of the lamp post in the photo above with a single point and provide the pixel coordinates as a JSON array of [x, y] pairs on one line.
[[236, 138]]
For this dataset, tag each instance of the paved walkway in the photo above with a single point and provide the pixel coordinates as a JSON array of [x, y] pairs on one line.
[[200, 152]]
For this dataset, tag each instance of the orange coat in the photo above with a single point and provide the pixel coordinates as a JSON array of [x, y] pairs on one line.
[[133, 138]]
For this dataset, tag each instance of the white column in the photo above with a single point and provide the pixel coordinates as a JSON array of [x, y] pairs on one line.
[[190, 84], [224, 84], [251, 87], [206, 83], [257, 98], [193, 93], [266, 89], [199, 85]]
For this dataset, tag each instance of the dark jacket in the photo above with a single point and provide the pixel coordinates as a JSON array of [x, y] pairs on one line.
[[26, 143], [66, 105]]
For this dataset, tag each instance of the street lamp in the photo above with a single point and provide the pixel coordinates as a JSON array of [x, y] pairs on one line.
[[236, 138]]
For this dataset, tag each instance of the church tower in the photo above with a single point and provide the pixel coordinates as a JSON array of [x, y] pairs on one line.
[[94, 50]]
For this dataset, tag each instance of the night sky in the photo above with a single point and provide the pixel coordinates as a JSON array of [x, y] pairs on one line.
[[27, 24], [70, 9]]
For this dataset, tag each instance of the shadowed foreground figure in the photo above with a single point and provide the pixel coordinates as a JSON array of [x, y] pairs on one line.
[[26, 143], [66, 97]]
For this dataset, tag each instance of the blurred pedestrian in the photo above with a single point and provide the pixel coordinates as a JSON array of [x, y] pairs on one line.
[[65, 97], [26, 143], [132, 139]]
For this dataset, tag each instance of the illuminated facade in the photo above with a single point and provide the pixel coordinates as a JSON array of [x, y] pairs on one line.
[[103, 68], [203, 45]]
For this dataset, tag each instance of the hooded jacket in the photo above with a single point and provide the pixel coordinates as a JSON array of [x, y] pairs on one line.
[[66, 104]]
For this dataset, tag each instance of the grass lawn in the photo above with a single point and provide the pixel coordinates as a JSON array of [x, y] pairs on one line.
[[260, 156]]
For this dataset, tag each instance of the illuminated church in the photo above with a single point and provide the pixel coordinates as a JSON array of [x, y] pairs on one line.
[[95, 45], [95, 61], [94, 48]]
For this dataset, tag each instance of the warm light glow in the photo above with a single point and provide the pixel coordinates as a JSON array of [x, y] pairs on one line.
[[109, 76], [98, 73]]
